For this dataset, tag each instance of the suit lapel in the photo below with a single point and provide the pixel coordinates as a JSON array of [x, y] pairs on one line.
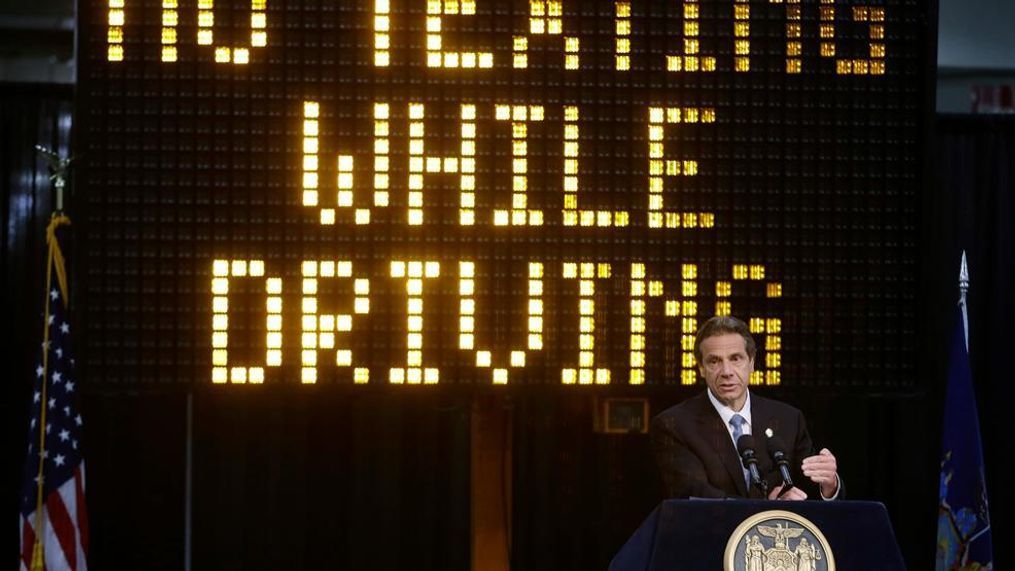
[[762, 419], [719, 438]]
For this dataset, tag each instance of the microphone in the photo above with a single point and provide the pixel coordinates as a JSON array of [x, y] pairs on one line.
[[745, 447], [777, 449]]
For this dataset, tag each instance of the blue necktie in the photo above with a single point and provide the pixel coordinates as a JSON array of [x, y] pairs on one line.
[[737, 422]]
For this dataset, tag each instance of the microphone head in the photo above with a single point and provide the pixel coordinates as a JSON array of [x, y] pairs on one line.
[[776, 445], [745, 445]]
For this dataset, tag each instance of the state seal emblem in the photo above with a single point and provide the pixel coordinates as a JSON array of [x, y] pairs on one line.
[[778, 540]]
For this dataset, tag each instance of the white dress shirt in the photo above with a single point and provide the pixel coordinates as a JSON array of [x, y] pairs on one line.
[[726, 413]]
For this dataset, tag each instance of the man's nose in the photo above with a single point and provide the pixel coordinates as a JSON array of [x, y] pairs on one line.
[[725, 369]]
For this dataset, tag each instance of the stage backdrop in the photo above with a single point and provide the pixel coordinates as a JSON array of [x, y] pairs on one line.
[[341, 201]]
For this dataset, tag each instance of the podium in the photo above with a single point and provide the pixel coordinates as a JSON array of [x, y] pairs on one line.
[[693, 534]]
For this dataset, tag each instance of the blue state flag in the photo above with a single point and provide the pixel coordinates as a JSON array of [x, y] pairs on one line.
[[963, 525]]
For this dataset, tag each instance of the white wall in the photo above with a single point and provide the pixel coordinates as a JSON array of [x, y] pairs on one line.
[[977, 34], [976, 46]]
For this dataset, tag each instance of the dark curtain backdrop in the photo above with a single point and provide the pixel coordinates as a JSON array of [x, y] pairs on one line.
[[976, 166], [29, 116], [284, 478], [300, 478]]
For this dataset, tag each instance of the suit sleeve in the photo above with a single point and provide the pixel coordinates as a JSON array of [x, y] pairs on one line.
[[683, 473]]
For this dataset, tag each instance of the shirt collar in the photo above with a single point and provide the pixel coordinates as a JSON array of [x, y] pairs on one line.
[[726, 413]]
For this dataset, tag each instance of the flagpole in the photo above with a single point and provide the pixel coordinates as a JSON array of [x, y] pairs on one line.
[[963, 288], [38, 550], [188, 482], [58, 167]]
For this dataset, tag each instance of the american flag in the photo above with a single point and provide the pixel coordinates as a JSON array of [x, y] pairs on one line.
[[55, 439]]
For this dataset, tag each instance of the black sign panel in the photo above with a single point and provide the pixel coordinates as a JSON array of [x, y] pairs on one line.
[[499, 191]]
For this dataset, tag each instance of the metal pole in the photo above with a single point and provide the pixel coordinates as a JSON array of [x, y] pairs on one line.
[[188, 483], [963, 288]]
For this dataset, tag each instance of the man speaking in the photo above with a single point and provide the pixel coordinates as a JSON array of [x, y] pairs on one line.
[[726, 442]]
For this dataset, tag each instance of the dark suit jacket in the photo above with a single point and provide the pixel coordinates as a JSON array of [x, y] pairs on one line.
[[698, 459]]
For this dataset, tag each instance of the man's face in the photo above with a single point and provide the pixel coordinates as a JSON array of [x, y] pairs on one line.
[[726, 368]]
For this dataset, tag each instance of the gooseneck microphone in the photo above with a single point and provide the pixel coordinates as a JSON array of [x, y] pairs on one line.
[[777, 449], [745, 447]]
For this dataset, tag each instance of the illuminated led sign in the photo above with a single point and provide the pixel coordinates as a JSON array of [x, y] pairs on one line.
[[505, 192]]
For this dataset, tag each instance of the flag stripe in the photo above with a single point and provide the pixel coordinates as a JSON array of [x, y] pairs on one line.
[[63, 527], [55, 560], [79, 494], [27, 542], [66, 493]]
